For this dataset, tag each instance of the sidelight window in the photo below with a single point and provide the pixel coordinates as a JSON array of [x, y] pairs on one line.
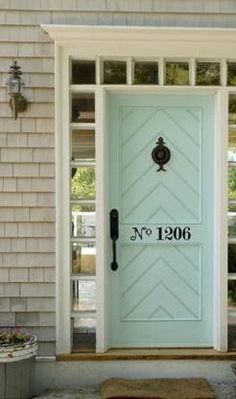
[[232, 212], [82, 207]]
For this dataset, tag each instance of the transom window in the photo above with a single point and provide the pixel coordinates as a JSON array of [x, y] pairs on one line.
[[169, 72]]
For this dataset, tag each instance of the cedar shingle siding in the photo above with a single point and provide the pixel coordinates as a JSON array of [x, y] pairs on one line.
[[27, 203]]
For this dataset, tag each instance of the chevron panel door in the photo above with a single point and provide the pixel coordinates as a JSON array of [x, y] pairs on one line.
[[161, 293]]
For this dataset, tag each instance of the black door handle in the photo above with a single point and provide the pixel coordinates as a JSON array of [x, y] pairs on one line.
[[114, 234]]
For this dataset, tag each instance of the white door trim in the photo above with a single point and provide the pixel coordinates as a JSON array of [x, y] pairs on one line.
[[220, 243], [221, 225], [90, 42]]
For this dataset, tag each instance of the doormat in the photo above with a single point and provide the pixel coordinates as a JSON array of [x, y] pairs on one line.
[[161, 388]]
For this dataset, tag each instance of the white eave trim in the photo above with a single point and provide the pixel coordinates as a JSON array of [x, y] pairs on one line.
[[108, 33]]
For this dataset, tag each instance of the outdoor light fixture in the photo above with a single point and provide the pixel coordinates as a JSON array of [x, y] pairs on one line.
[[15, 84]]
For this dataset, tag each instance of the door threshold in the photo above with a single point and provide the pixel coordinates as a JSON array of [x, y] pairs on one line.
[[151, 354]]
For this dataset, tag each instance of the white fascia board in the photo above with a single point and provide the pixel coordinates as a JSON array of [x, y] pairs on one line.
[[95, 32], [147, 41]]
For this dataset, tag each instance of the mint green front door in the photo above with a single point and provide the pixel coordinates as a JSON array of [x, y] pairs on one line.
[[161, 293]]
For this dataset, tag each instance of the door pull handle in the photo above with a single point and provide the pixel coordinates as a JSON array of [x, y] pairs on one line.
[[114, 234]]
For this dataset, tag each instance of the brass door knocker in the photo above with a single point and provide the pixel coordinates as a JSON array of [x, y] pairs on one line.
[[161, 154]]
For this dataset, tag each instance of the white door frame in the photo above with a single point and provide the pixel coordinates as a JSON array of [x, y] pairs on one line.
[[219, 206], [107, 42]]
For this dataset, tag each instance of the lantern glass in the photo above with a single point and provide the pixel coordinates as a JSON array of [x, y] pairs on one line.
[[15, 85]]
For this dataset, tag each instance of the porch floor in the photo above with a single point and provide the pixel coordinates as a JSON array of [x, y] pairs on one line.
[[222, 391]]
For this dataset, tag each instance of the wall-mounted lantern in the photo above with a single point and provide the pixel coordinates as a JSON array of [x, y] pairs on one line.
[[15, 84]]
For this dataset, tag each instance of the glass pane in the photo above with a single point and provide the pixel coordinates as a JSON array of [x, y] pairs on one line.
[[232, 258], [231, 73], [232, 183], [208, 73], [232, 146], [232, 294], [84, 295], [232, 224], [232, 206], [232, 331], [82, 183], [177, 73], [232, 318], [83, 107], [84, 334], [232, 139], [114, 72], [145, 72], [83, 221], [232, 109], [83, 72], [83, 145], [83, 258]]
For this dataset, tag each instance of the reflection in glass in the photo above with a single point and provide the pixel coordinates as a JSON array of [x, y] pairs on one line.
[[145, 72], [84, 295], [83, 258], [232, 258], [83, 107], [84, 334], [82, 183], [232, 332], [176, 73], [232, 224], [83, 221], [232, 304], [232, 109], [208, 73], [232, 206], [114, 72], [83, 72], [232, 183], [232, 146], [232, 294], [231, 73], [85, 324], [83, 145]]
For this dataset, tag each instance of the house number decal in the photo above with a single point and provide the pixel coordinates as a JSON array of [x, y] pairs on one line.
[[160, 233]]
